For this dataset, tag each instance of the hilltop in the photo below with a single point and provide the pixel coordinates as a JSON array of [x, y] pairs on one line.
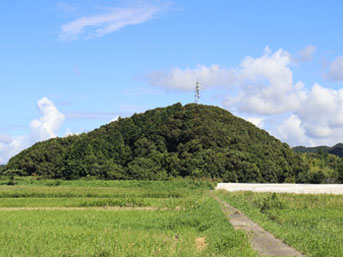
[[177, 141]]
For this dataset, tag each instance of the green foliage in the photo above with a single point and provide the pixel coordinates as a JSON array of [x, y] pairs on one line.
[[116, 218], [335, 150], [2, 168], [195, 141], [145, 169], [322, 167], [310, 223], [270, 202]]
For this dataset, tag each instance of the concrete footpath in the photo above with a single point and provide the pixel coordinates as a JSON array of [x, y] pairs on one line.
[[284, 188], [262, 241]]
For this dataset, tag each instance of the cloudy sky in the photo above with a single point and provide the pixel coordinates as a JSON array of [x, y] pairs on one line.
[[70, 66]]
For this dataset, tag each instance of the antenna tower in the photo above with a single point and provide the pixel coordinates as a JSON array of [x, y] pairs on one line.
[[197, 92]]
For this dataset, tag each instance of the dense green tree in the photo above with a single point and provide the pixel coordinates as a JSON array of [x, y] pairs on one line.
[[335, 150], [2, 168], [177, 141], [321, 167]]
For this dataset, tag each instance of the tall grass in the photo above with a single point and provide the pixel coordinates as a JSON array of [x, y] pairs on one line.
[[185, 213], [312, 224]]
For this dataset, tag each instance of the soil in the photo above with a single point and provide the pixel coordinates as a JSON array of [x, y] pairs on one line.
[[200, 243]]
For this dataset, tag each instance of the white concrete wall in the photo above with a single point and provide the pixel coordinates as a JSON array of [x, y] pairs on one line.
[[284, 188]]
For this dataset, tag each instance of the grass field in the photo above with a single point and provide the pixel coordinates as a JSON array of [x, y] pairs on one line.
[[115, 218], [313, 224]]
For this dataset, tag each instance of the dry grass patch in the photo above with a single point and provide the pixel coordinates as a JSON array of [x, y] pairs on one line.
[[200, 243]]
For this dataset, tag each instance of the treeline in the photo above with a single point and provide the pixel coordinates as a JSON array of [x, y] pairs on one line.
[[2, 168], [335, 150], [177, 141], [322, 167], [324, 164]]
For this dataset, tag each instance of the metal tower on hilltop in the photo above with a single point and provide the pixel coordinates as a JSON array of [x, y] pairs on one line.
[[197, 92]]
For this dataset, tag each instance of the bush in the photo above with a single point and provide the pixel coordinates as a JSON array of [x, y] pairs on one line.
[[270, 202]]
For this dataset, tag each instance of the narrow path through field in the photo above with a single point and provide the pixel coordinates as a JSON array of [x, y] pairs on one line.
[[263, 242]]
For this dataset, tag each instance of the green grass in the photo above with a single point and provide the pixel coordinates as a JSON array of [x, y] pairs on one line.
[[183, 211], [313, 224], [85, 192], [137, 184]]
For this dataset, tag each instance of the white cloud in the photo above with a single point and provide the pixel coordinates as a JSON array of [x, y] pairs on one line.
[[335, 72], [105, 23], [179, 79], [50, 121], [265, 84], [292, 131], [322, 111], [12, 146], [318, 121], [264, 87], [43, 128], [258, 122], [69, 132], [5, 139], [115, 118], [305, 54]]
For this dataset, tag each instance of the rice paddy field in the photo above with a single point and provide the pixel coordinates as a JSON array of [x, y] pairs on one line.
[[154, 218], [313, 224], [115, 218]]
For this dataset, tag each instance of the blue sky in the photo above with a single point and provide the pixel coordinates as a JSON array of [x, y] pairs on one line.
[[72, 66]]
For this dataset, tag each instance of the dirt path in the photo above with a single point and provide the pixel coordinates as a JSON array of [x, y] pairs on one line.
[[263, 242]]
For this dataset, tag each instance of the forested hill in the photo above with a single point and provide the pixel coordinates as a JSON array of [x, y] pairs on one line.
[[335, 150], [176, 141]]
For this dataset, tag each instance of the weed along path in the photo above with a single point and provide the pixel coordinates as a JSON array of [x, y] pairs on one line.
[[263, 242]]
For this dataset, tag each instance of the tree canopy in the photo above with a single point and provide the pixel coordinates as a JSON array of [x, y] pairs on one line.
[[335, 150], [177, 141]]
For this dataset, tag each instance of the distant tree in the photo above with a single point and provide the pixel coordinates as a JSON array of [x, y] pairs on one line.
[[2, 168]]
